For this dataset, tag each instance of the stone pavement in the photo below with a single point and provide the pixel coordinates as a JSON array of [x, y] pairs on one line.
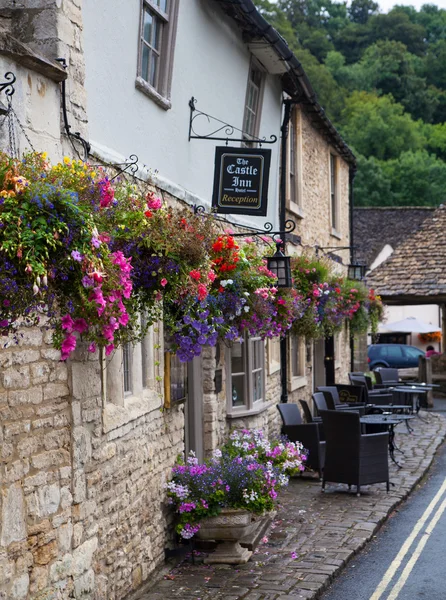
[[313, 535]]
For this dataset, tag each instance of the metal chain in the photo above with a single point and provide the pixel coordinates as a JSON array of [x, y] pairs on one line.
[[11, 130], [22, 129]]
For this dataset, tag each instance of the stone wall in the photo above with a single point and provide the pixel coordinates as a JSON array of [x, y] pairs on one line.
[[313, 222]]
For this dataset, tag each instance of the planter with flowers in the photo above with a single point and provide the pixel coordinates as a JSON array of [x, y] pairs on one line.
[[222, 498]]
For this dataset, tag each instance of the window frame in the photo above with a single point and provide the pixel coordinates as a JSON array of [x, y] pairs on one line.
[[334, 204], [272, 345], [299, 379], [250, 406], [294, 185], [254, 65], [161, 92]]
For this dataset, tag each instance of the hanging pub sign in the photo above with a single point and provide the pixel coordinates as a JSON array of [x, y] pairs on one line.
[[241, 181]]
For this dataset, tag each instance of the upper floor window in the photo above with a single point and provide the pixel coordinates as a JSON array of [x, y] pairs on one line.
[[294, 191], [253, 103], [334, 192], [296, 349], [157, 40], [246, 375]]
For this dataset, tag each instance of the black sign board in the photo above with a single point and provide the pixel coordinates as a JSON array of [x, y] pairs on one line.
[[241, 181]]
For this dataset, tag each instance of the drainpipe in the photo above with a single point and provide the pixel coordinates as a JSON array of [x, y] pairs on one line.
[[351, 178], [282, 218]]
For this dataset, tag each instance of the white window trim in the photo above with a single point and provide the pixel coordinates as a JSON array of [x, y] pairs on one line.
[[251, 408], [295, 207], [335, 227], [296, 382], [160, 95]]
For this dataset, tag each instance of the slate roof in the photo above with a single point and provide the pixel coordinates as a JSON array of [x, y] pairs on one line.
[[374, 227], [416, 271]]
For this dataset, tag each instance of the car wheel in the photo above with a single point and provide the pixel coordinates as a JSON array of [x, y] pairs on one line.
[[379, 366]]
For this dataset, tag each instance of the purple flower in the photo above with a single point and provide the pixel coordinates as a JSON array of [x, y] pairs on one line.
[[76, 255]]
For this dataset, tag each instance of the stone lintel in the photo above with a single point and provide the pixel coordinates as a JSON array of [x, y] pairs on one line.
[[23, 55]]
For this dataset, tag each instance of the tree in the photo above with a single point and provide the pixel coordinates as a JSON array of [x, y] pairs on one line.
[[360, 11], [396, 25], [372, 185], [379, 127], [418, 179]]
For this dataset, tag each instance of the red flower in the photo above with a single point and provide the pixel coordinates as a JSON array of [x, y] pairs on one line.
[[148, 214], [195, 274]]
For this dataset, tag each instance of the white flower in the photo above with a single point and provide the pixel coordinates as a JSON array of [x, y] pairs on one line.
[[246, 309]]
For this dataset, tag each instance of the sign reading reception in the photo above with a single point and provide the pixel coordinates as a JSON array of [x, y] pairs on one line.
[[241, 181]]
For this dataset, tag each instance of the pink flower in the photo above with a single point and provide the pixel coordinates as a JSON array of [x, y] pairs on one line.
[[80, 325], [109, 349], [212, 276], [67, 347], [67, 323], [123, 319], [152, 202], [163, 282], [92, 347]]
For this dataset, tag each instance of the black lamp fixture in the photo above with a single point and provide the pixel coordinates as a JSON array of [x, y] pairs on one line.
[[357, 271], [280, 265]]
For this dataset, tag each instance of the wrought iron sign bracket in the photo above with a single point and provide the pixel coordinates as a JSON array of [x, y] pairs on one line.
[[77, 136], [221, 126], [267, 230], [8, 85]]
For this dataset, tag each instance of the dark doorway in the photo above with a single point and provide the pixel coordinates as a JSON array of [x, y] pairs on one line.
[[329, 361]]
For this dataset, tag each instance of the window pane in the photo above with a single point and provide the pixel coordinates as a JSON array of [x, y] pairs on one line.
[[178, 379], [153, 69], [156, 34], [258, 387], [258, 351], [162, 4], [238, 391], [295, 359], [147, 29], [145, 62], [126, 357], [237, 365]]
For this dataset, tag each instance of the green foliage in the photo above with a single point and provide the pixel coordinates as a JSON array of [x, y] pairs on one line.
[[378, 126], [381, 78]]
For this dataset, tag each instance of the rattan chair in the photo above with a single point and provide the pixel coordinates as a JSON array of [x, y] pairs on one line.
[[307, 413], [306, 433], [333, 401], [371, 396], [387, 376], [351, 457]]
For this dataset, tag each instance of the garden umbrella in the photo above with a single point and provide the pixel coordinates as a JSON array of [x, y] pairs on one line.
[[410, 325]]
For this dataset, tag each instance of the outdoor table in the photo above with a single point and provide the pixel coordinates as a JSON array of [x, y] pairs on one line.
[[390, 421], [414, 392]]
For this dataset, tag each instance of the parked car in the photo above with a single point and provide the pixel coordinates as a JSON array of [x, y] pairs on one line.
[[398, 356]]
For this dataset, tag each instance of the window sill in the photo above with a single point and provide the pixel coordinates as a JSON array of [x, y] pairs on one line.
[[336, 234], [149, 91], [114, 415], [243, 412], [297, 383], [297, 210]]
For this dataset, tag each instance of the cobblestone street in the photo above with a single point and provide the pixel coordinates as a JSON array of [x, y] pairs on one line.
[[313, 535]]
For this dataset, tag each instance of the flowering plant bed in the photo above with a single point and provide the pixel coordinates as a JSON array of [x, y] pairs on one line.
[[245, 474]]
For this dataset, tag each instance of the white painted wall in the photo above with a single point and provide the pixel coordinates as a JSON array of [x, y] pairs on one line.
[[211, 63], [428, 313], [36, 102]]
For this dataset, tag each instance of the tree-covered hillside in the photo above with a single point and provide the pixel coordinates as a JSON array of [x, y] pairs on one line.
[[382, 80]]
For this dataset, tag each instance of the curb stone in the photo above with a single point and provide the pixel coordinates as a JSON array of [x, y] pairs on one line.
[[314, 535]]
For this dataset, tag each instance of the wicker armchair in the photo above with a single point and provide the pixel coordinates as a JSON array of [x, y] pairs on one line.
[[307, 413], [306, 433], [380, 396], [351, 457], [333, 401]]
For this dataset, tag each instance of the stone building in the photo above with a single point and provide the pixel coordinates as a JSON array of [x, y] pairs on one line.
[[85, 451]]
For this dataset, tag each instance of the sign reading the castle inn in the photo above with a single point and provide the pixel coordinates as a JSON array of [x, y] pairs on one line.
[[241, 181]]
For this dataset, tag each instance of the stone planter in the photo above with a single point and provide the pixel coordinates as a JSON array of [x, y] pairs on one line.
[[229, 527]]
